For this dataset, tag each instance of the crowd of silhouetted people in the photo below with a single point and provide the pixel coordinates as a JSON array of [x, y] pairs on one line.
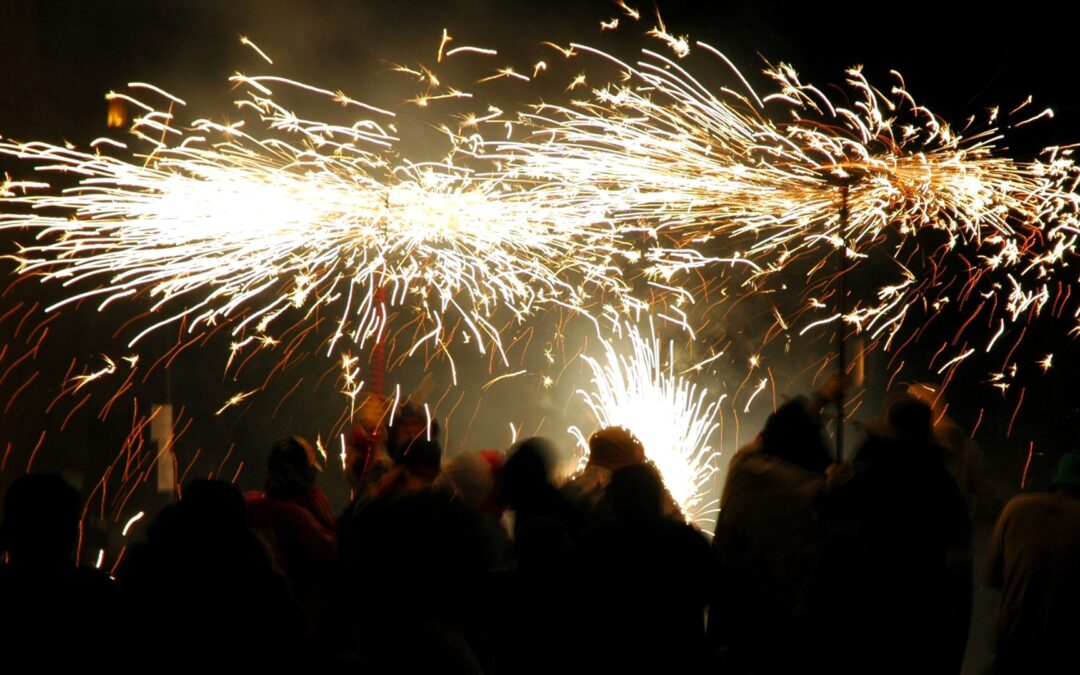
[[483, 564]]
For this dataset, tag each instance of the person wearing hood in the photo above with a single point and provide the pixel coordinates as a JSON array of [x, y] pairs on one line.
[[294, 520]]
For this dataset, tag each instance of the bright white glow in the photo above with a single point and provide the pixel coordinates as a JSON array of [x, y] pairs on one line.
[[673, 419]]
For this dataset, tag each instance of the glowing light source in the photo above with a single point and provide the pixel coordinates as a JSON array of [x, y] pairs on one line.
[[672, 418]]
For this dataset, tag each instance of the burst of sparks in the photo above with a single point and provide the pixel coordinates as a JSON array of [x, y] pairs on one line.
[[692, 164], [672, 417], [276, 213], [680, 44], [216, 222], [1047, 362], [234, 400], [630, 11], [508, 72], [246, 221], [83, 380]]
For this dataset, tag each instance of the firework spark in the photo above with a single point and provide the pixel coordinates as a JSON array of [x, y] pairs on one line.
[[216, 222], [276, 213], [673, 419], [670, 155]]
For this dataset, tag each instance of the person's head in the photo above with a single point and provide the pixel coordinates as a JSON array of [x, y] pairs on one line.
[[410, 424], [422, 458], [292, 464], [41, 521], [910, 419], [909, 422], [636, 493], [793, 434], [614, 447], [527, 470], [495, 460], [931, 395], [470, 478], [1068, 472]]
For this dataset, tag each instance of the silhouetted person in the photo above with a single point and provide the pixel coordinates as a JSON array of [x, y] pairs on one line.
[[645, 584], [610, 449], [769, 540], [913, 524], [531, 619], [205, 591], [470, 478], [416, 468], [1034, 558], [963, 458], [409, 560], [53, 614], [294, 520], [410, 424], [528, 489], [527, 613]]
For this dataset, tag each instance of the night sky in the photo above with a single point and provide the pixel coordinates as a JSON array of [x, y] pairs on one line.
[[958, 58]]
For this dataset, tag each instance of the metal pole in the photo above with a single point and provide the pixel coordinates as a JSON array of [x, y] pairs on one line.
[[841, 329]]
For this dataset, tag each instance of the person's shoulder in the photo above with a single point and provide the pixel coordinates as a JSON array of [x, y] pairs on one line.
[[748, 457], [687, 534], [1028, 498], [751, 449], [876, 451], [1026, 503]]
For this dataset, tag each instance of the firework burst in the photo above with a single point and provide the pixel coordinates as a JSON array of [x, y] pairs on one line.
[[757, 174], [216, 222], [673, 419]]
